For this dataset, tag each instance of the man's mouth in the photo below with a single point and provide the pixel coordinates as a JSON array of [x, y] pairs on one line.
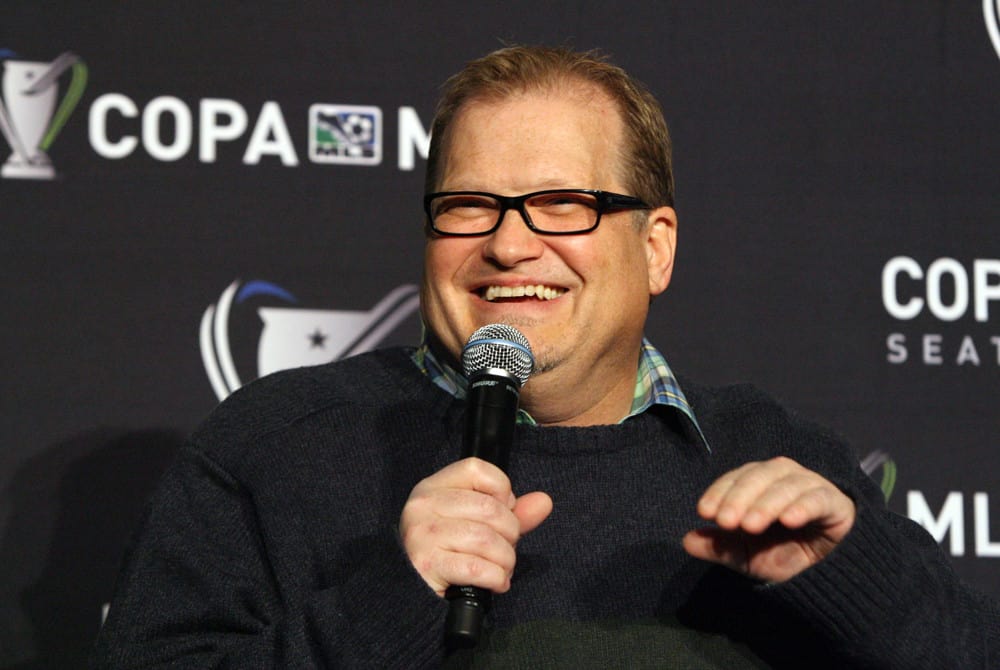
[[538, 291]]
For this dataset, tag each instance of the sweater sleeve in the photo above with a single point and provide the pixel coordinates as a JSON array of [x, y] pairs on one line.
[[887, 596], [198, 590]]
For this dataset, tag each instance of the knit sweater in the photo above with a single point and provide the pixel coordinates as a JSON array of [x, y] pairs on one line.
[[272, 542]]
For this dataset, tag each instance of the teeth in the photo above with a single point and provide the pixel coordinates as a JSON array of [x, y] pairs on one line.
[[537, 290]]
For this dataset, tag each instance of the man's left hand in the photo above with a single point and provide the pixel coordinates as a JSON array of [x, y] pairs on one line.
[[774, 519]]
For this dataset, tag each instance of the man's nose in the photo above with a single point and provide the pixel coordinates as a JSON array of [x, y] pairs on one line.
[[513, 241]]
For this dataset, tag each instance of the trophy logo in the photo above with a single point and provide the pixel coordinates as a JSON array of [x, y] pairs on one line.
[[261, 322], [991, 12], [30, 119]]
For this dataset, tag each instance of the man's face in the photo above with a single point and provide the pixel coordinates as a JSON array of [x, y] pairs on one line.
[[585, 324]]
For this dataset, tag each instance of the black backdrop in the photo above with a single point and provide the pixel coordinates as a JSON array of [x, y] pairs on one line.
[[237, 189]]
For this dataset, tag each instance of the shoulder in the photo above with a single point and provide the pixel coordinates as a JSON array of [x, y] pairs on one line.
[[320, 385], [279, 403], [733, 402], [743, 422]]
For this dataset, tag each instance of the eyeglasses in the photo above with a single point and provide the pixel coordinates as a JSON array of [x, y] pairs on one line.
[[562, 211]]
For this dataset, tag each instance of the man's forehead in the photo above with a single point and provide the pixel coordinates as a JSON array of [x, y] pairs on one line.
[[560, 134], [574, 90], [580, 109]]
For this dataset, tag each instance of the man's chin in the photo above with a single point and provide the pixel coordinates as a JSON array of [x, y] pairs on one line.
[[546, 357]]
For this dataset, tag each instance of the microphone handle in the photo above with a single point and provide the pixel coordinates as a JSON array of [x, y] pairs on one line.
[[490, 415]]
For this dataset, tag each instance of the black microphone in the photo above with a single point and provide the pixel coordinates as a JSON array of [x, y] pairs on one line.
[[497, 360]]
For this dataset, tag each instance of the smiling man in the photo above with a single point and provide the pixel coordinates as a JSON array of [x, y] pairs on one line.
[[319, 516], [586, 325]]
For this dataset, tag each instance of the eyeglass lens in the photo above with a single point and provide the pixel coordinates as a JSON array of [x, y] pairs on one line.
[[547, 212]]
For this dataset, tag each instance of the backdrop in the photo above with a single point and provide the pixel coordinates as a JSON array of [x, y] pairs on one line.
[[200, 193]]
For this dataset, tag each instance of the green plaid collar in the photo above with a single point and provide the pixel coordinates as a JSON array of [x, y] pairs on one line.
[[655, 384]]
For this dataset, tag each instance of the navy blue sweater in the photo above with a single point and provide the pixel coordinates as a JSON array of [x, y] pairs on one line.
[[272, 542]]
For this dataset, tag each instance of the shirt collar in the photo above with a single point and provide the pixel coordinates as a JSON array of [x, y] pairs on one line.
[[655, 384]]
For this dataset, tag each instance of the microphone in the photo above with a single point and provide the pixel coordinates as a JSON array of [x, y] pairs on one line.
[[497, 360]]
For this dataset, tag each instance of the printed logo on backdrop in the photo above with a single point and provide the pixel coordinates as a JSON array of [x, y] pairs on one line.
[[345, 134], [31, 112], [877, 461], [256, 328], [951, 524], [947, 310], [991, 12], [170, 129]]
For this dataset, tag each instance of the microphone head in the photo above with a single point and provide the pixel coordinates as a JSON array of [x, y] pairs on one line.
[[498, 345]]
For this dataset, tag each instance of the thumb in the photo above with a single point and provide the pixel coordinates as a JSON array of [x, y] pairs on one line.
[[532, 509], [716, 546]]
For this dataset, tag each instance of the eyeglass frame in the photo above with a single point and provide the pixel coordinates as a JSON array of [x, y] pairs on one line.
[[606, 201]]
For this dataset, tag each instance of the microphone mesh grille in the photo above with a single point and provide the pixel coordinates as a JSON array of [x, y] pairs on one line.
[[498, 346]]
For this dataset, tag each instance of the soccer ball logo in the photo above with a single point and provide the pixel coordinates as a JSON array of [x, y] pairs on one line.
[[349, 134], [358, 129]]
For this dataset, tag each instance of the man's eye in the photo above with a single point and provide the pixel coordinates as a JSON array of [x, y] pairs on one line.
[[465, 206], [563, 200]]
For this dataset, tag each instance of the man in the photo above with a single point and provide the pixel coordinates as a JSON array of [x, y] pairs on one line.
[[319, 516]]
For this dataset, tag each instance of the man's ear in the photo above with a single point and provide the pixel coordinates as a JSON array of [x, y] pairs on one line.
[[661, 243]]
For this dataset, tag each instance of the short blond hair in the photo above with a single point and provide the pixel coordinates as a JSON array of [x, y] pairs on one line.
[[647, 163]]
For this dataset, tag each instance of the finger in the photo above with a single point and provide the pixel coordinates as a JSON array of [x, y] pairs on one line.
[[532, 509], [779, 501], [472, 474], [470, 570], [443, 505], [713, 545], [438, 548], [797, 499], [475, 539], [822, 505], [748, 484], [708, 504]]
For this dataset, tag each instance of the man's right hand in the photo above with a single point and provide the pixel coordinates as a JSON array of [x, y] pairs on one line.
[[460, 525]]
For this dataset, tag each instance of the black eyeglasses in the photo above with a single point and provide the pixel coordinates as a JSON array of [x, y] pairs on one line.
[[561, 211]]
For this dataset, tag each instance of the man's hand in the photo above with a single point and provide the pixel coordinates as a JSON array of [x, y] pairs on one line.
[[460, 525], [774, 518]]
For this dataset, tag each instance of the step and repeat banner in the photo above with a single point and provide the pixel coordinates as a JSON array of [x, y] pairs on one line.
[[196, 194]]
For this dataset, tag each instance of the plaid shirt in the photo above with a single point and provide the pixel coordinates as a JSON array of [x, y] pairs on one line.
[[655, 384]]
